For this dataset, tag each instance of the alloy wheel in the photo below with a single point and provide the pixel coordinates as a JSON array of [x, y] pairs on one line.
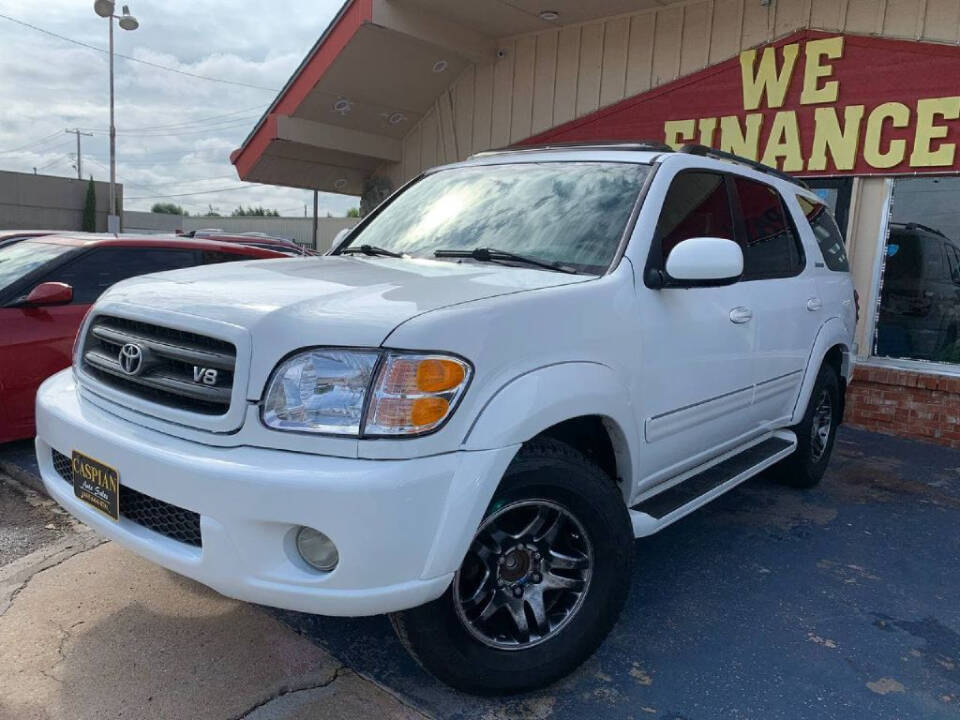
[[525, 576], [820, 426]]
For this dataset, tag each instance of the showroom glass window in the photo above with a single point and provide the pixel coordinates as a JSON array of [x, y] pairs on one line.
[[919, 315]]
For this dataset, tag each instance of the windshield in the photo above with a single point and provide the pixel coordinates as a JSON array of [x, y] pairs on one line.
[[20, 258], [573, 213]]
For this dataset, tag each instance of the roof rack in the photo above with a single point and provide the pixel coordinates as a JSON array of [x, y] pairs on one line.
[[704, 151], [644, 145], [920, 226]]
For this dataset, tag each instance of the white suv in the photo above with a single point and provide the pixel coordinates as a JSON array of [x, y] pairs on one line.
[[465, 413]]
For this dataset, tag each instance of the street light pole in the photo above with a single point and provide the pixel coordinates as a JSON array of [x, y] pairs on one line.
[[113, 224], [105, 9]]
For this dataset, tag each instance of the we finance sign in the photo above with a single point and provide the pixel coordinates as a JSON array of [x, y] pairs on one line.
[[811, 104]]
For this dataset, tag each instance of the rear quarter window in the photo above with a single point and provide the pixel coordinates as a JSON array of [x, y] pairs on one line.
[[827, 233]]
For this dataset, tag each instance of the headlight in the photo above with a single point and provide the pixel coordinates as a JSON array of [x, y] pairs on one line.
[[334, 391], [320, 390]]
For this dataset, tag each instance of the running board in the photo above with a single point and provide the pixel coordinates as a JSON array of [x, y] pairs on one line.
[[655, 513]]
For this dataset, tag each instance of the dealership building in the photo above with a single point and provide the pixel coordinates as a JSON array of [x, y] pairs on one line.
[[861, 98]]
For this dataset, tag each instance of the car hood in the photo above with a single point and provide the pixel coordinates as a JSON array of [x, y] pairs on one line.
[[329, 300]]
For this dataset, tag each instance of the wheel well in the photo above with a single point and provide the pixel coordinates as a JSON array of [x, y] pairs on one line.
[[597, 438], [834, 358]]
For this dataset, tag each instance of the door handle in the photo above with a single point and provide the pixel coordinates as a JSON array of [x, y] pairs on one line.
[[814, 304], [740, 315]]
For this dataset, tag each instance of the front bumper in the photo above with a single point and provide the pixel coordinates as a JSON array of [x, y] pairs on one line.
[[401, 527]]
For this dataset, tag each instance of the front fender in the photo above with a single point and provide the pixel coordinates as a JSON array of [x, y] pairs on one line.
[[534, 401], [516, 412], [832, 332]]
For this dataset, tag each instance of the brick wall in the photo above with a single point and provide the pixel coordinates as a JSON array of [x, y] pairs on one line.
[[911, 404]]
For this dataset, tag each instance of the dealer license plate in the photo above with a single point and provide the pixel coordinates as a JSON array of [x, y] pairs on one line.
[[96, 484]]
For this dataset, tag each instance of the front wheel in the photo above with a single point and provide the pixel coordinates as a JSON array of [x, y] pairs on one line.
[[544, 580]]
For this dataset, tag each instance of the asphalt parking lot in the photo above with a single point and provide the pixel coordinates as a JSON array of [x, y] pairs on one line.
[[770, 603]]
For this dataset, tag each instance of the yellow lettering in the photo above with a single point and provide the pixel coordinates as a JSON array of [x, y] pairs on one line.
[[706, 128], [735, 139], [784, 141], [928, 111], [814, 69], [679, 132], [841, 142], [899, 116], [765, 78]]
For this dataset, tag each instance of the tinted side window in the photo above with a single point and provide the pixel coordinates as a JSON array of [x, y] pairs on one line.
[[827, 233], [770, 244], [953, 257], [93, 272], [696, 205]]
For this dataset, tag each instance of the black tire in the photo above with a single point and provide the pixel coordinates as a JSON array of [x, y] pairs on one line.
[[805, 467], [437, 634]]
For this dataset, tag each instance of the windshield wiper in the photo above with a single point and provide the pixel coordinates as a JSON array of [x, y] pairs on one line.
[[492, 255], [370, 250]]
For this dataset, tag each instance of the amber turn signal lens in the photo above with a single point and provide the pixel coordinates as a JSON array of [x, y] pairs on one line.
[[428, 410], [436, 375]]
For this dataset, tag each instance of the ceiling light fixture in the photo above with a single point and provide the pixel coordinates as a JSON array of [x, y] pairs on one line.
[[396, 118], [339, 183], [343, 106], [549, 15], [439, 66]]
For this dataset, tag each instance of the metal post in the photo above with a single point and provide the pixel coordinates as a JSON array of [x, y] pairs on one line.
[[113, 222], [315, 193]]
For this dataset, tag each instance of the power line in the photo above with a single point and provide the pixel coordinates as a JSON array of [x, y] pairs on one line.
[[32, 142], [222, 125], [190, 123], [133, 59], [202, 192]]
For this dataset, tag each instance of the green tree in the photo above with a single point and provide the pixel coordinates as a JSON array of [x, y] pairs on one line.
[[211, 211], [252, 211], [90, 208], [353, 212], [168, 209]]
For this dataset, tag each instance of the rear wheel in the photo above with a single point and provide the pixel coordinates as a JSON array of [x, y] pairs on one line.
[[544, 580], [815, 434]]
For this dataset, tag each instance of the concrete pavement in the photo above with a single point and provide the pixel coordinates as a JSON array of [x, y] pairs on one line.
[[90, 631]]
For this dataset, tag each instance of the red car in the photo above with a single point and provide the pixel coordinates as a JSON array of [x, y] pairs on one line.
[[47, 284]]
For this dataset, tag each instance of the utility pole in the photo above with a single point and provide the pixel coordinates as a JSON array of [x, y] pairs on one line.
[[76, 131], [315, 205]]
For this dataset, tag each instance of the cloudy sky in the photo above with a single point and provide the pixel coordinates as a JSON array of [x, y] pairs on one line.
[[174, 133]]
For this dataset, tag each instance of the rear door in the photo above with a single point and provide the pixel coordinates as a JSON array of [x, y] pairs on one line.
[[788, 310]]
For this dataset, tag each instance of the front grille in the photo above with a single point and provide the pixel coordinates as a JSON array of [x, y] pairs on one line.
[[178, 369], [162, 517]]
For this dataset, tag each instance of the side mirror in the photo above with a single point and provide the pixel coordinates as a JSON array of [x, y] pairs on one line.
[[49, 293], [705, 260]]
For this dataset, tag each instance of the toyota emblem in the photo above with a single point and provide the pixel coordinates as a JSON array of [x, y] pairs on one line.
[[131, 358]]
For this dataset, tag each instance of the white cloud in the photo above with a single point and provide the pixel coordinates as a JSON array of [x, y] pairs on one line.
[[49, 85]]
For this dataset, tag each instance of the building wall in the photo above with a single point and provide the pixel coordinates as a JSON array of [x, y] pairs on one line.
[[548, 78], [47, 202], [299, 229], [908, 403]]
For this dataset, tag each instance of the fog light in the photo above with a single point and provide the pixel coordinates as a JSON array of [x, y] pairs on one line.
[[317, 550]]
